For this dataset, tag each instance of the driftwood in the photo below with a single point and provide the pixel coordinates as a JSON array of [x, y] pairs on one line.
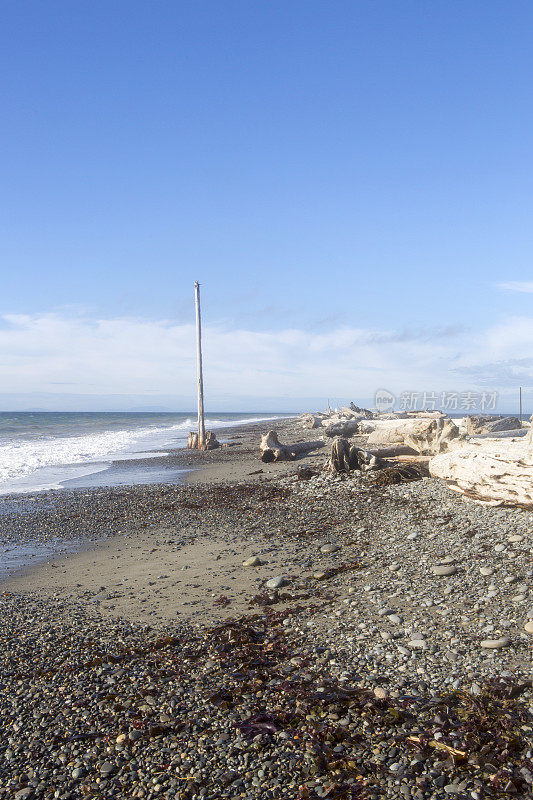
[[346, 457], [210, 441], [497, 472], [435, 438], [393, 432], [484, 423], [272, 449], [511, 434], [346, 428], [310, 421]]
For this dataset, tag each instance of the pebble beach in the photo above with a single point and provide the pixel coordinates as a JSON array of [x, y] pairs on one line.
[[247, 633]]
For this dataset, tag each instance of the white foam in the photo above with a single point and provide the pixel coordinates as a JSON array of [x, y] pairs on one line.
[[27, 465]]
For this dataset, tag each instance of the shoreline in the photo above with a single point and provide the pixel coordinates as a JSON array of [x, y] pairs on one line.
[[156, 655]]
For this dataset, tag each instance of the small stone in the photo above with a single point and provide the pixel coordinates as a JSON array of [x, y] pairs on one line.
[[133, 736], [380, 693], [495, 644], [444, 570], [253, 561], [394, 567], [77, 773], [395, 618], [121, 738], [107, 768], [329, 548], [528, 627], [319, 576], [486, 571], [452, 788], [516, 538], [276, 583], [417, 644], [510, 579]]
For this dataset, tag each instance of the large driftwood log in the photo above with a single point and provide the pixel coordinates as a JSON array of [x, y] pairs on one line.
[[435, 438], [272, 449], [498, 472], [346, 457], [346, 428], [484, 423], [310, 421], [512, 434], [210, 442]]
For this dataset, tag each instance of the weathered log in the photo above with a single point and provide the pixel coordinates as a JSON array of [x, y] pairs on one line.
[[514, 433], [346, 428], [310, 421], [393, 452], [484, 423], [272, 449], [393, 432], [346, 457], [210, 442], [435, 438], [497, 472]]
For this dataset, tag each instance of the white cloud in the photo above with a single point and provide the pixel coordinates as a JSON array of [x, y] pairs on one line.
[[516, 286], [58, 353]]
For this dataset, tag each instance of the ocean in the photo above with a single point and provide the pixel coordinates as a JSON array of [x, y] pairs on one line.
[[54, 450]]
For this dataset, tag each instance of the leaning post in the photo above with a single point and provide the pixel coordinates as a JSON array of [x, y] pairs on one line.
[[201, 424]]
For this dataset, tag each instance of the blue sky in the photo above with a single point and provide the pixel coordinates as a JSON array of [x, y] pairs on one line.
[[350, 182]]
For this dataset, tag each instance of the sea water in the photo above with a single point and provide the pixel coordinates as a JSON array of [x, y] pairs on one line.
[[51, 450]]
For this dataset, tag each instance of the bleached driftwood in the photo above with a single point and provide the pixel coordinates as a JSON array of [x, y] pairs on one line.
[[434, 438], [512, 434], [272, 449], [484, 423], [392, 432], [346, 457], [210, 441], [310, 421], [343, 428], [498, 472]]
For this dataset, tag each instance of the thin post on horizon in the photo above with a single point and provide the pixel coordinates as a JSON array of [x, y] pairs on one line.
[[520, 405], [201, 423]]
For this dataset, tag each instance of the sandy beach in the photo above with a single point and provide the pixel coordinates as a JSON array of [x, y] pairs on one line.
[[152, 662]]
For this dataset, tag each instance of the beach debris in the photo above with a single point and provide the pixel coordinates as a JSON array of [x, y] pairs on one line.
[[346, 457], [310, 421], [485, 423], [497, 471], [401, 473], [272, 449], [210, 441], [344, 428], [434, 438]]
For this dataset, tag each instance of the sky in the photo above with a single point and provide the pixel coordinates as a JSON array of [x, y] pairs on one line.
[[350, 182]]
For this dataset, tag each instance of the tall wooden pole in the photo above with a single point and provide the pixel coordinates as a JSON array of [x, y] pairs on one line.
[[520, 405], [201, 424]]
